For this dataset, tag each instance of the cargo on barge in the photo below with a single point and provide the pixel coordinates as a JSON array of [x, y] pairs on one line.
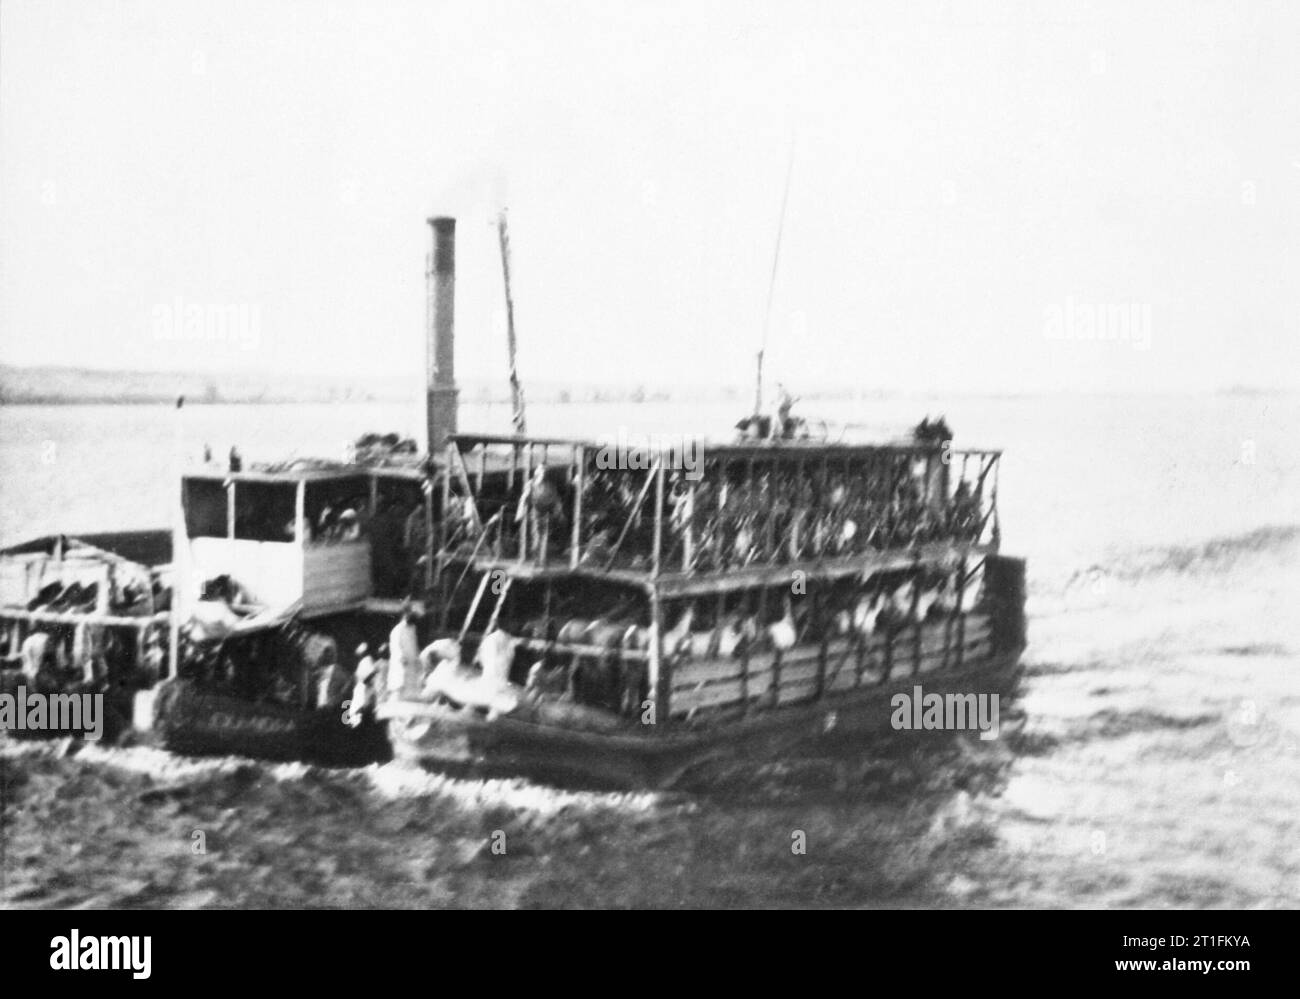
[[641, 620]]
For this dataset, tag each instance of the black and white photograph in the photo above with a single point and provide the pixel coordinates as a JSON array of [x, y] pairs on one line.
[[650, 456]]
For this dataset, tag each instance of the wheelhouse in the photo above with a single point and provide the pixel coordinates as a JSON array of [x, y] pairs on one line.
[[318, 540]]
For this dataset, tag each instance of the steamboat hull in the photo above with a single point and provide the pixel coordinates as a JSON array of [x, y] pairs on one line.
[[186, 718], [717, 709], [531, 744]]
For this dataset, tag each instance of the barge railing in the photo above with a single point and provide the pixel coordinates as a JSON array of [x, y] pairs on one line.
[[552, 503]]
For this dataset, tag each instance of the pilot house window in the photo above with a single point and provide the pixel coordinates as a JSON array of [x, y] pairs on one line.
[[205, 508], [265, 511], [337, 509]]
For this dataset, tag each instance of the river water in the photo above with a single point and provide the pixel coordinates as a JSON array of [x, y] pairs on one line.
[[1151, 759]]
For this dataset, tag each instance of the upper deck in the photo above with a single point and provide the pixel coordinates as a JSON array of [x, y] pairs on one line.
[[319, 535], [692, 517]]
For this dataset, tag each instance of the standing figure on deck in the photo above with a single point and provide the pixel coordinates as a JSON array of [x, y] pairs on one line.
[[781, 427], [37, 659], [404, 648], [378, 685], [363, 695], [333, 681]]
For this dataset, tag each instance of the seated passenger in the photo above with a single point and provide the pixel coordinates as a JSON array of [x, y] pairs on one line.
[[38, 663], [488, 688], [333, 682], [348, 527], [325, 524], [283, 690], [153, 660], [438, 657], [494, 657]]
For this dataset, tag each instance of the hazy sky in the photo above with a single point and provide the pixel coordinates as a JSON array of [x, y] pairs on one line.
[[969, 181]]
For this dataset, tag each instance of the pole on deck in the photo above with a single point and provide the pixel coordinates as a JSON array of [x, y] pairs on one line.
[[516, 390], [771, 286], [575, 545], [180, 548], [659, 516]]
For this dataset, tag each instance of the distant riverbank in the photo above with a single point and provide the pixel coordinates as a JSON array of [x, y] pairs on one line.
[[70, 386], [190, 400]]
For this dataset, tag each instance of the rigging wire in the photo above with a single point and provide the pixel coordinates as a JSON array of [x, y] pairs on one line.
[[771, 286]]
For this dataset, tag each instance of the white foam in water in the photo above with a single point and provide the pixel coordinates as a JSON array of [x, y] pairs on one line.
[[399, 780], [392, 781]]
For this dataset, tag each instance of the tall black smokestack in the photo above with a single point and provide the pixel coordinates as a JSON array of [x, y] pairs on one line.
[[440, 383]]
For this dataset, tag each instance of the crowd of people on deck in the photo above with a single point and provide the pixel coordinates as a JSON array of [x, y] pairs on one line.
[[344, 522], [598, 661], [401, 669], [87, 657], [601, 662], [740, 512], [296, 667]]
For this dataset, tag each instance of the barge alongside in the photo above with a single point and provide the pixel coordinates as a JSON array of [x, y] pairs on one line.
[[639, 623]]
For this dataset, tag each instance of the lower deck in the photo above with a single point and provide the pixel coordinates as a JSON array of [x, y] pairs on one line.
[[542, 741], [706, 687]]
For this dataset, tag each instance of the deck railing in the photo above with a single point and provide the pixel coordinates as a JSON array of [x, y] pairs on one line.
[[553, 503]]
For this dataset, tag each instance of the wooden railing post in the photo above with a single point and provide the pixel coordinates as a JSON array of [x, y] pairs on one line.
[[579, 484], [688, 534], [525, 503], [996, 538], [657, 671], [431, 546], [659, 518], [819, 617], [961, 614], [916, 638], [744, 674]]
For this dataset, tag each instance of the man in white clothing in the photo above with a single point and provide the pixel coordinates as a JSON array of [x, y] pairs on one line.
[[404, 652]]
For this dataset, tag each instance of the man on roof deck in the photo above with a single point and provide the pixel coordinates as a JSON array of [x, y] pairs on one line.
[[781, 415]]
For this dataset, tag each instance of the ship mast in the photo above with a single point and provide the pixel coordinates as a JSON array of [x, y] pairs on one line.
[[516, 390], [771, 285]]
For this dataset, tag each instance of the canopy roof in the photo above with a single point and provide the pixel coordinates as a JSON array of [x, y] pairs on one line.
[[655, 443], [313, 471]]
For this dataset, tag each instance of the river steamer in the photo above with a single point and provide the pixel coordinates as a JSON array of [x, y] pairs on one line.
[[589, 613]]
